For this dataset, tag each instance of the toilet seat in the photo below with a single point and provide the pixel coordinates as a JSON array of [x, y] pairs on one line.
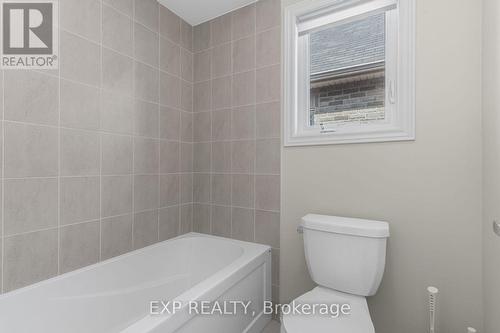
[[359, 320]]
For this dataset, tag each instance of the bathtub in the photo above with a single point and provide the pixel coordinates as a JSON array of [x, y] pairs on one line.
[[117, 295]]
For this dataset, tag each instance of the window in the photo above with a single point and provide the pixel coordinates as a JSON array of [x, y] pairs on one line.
[[349, 72]]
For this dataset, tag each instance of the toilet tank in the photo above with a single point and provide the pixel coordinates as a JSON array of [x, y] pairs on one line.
[[345, 254]]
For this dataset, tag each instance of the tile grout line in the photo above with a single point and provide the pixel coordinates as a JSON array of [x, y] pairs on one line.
[[100, 135], [134, 68], [2, 283], [59, 152], [255, 129]]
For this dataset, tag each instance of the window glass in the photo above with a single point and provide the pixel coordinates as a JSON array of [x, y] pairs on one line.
[[347, 73]]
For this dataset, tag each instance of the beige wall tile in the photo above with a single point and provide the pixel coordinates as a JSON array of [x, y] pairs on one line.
[[243, 156], [221, 60], [268, 47], [221, 156], [186, 188], [116, 195], [187, 65], [80, 245], [186, 36], [221, 93], [116, 236], [146, 192], [31, 97], [243, 22], [267, 228], [202, 96], [146, 13], [117, 154], [268, 120], [221, 189], [169, 223], [267, 192], [221, 125], [170, 57], [81, 17], [243, 123], [80, 153], [117, 113], [29, 258], [170, 190], [243, 190], [170, 90], [145, 228], [202, 157], [244, 88], [80, 59], [201, 218], [268, 156], [201, 37], [146, 83], [169, 156], [170, 122], [30, 151], [221, 221], [186, 218], [170, 25], [117, 75], [221, 29], [146, 119], [202, 126], [124, 6], [201, 187], [268, 84], [244, 54], [243, 224], [146, 156], [80, 106], [79, 199], [268, 14], [117, 31], [30, 205], [146, 45], [202, 65]]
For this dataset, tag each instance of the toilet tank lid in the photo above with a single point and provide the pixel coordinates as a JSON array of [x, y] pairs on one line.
[[346, 226]]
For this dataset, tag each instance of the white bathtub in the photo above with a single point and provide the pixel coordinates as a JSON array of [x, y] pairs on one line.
[[116, 295]]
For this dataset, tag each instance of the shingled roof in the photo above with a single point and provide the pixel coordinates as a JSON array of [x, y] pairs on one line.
[[348, 45]]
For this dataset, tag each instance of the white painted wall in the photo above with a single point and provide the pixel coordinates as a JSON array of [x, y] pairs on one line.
[[429, 190], [491, 166]]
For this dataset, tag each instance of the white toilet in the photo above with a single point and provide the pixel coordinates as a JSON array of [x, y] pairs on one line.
[[346, 258]]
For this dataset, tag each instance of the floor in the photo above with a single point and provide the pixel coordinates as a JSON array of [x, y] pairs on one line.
[[272, 327]]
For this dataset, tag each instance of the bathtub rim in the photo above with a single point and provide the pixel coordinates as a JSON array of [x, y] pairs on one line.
[[253, 247]]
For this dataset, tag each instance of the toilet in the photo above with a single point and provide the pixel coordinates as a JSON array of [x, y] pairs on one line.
[[346, 259]]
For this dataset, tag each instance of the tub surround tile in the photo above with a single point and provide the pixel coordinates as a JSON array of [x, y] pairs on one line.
[[268, 120], [186, 212], [202, 37], [99, 154], [170, 26], [117, 113], [221, 221], [80, 106], [202, 157], [221, 29], [79, 199], [221, 157], [31, 97], [186, 36], [116, 236], [81, 17], [221, 189], [146, 13], [146, 192], [116, 195], [124, 6], [30, 151], [170, 57], [146, 45], [243, 224], [146, 119], [77, 50], [29, 258], [79, 246], [117, 154], [117, 30], [268, 51], [201, 218], [268, 14], [243, 22], [221, 60], [267, 192], [80, 153], [30, 205], [267, 228], [117, 75], [169, 222], [145, 229]]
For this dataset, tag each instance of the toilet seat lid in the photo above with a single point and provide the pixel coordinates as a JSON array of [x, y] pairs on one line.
[[358, 321]]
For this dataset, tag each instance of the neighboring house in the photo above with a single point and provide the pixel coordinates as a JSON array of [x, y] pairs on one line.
[[348, 72]]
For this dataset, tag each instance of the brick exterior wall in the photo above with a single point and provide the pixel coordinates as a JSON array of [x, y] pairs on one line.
[[350, 101]]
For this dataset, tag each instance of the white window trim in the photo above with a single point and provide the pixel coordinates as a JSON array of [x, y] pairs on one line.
[[401, 126]]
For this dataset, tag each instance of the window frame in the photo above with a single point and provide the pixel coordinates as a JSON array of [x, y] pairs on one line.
[[400, 71]]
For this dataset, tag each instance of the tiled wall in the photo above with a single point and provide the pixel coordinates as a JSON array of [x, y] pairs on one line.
[[97, 156], [237, 126]]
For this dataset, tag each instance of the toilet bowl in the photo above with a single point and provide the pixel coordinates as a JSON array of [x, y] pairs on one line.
[[346, 259]]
